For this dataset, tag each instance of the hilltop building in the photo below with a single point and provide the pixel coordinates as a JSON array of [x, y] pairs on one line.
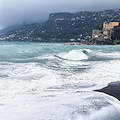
[[110, 25], [103, 36]]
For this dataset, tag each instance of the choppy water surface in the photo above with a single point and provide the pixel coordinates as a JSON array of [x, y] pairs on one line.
[[41, 81]]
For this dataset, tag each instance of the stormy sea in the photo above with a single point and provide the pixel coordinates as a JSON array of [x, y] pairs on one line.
[[53, 81]]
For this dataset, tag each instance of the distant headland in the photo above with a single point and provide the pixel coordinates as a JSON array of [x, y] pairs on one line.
[[84, 27]]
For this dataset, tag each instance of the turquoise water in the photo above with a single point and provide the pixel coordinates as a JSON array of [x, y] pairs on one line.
[[53, 81]]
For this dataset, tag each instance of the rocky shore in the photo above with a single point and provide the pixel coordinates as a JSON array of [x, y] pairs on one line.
[[112, 89], [74, 43]]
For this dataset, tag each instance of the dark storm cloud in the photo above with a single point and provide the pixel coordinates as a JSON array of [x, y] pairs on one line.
[[18, 11]]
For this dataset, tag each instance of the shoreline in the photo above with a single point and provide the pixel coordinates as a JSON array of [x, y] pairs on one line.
[[112, 89], [78, 43]]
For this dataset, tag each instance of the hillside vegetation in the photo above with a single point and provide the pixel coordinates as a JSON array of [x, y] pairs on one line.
[[62, 27]]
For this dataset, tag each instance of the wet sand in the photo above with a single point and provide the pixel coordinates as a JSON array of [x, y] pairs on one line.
[[112, 89]]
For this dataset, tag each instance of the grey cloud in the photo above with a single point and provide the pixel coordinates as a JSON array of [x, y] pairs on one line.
[[18, 11]]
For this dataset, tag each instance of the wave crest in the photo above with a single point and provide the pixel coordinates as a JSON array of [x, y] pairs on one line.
[[87, 55], [74, 55]]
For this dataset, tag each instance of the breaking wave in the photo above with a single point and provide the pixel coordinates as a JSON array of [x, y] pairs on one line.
[[40, 81], [88, 55]]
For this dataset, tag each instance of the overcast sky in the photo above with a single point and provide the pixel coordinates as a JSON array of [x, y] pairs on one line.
[[19, 11]]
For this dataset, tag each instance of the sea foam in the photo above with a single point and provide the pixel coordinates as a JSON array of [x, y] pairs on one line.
[[41, 81]]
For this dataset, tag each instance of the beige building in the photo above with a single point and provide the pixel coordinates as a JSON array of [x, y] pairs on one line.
[[107, 32], [107, 28], [110, 25]]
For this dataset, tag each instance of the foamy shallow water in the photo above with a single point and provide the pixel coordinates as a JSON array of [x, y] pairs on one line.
[[65, 105], [55, 82]]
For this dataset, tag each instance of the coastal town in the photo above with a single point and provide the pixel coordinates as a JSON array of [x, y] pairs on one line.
[[80, 28], [103, 36]]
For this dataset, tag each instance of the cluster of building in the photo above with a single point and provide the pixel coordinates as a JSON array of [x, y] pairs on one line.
[[103, 36]]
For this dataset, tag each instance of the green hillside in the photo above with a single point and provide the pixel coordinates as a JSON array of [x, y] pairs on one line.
[[63, 27]]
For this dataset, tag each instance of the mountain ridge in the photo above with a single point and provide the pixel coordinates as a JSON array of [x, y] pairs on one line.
[[64, 26]]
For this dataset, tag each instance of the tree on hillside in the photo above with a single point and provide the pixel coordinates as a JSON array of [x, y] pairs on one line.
[[99, 26], [116, 33]]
